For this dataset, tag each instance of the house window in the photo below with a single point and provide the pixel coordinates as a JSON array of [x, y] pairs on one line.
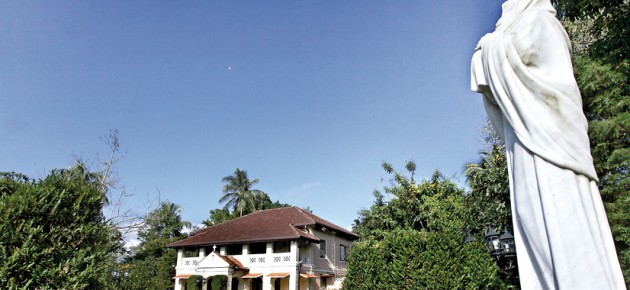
[[234, 250], [322, 249], [191, 252], [281, 246], [344, 251], [258, 248]]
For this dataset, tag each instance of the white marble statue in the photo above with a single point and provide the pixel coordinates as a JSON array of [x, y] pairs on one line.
[[524, 71]]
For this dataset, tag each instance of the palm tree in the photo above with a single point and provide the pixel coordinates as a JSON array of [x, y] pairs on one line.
[[165, 222], [238, 192]]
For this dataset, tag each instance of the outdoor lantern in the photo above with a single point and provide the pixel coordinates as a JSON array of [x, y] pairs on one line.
[[507, 241], [502, 248], [492, 241]]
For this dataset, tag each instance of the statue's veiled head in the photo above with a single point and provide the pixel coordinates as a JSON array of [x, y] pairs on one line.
[[513, 9]]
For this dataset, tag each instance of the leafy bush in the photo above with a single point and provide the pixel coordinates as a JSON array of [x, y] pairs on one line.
[[415, 241], [410, 259], [52, 232], [194, 282]]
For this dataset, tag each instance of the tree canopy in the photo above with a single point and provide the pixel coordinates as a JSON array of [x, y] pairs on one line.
[[238, 193], [53, 234], [413, 238], [488, 202], [151, 263], [241, 199]]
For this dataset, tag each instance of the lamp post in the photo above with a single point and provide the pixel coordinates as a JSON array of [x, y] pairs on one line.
[[507, 240], [501, 247], [493, 242]]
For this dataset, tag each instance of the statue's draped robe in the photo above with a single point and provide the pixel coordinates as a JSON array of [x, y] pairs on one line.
[[524, 71]]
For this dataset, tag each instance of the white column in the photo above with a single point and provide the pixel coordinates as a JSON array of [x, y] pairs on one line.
[[295, 251], [222, 250], [294, 279], [266, 283], [245, 249], [202, 252], [269, 252], [270, 248], [180, 256], [177, 286], [229, 282]]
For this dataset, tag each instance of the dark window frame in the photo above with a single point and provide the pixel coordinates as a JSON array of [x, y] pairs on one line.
[[322, 249]]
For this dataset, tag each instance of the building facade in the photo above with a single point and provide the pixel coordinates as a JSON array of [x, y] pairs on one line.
[[278, 249]]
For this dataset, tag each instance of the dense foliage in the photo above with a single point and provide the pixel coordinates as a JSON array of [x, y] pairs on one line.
[[411, 259], [151, 264], [488, 202], [414, 240], [53, 234], [611, 26], [194, 282]]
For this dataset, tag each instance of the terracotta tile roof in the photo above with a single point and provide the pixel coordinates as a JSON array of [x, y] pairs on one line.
[[329, 225], [261, 226], [233, 261]]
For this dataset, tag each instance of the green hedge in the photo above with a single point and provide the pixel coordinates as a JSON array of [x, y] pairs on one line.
[[410, 259], [194, 282]]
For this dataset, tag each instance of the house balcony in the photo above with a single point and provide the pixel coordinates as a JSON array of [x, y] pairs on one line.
[[189, 264]]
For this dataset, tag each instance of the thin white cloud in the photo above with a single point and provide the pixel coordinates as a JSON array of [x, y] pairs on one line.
[[305, 187]]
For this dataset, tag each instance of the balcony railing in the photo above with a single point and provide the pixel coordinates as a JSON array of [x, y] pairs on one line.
[[189, 263], [276, 259]]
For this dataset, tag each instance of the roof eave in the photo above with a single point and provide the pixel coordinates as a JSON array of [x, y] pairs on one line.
[[244, 241]]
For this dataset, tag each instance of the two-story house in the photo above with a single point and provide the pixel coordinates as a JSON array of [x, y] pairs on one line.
[[280, 249]]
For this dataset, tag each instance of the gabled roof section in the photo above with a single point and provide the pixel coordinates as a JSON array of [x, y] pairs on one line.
[[328, 225], [235, 262], [261, 226], [216, 261]]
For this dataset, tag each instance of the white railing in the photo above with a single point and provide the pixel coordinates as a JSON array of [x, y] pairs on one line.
[[188, 265], [278, 259], [190, 262]]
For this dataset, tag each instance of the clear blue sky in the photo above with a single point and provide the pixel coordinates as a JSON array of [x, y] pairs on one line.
[[309, 96]]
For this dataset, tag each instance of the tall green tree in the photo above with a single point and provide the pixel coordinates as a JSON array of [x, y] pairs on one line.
[[218, 216], [151, 262], [414, 239], [160, 227], [488, 201], [53, 234], [238, 193], [610, 21]]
